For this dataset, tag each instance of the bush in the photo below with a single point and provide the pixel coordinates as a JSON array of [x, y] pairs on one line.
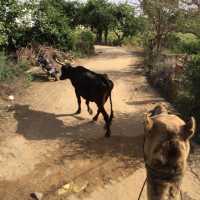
[[184, 102], [112, 39], [188, 101], [193, 76], [84, 42], [134, 41], [183, 43], [6, 72], [9, 70]]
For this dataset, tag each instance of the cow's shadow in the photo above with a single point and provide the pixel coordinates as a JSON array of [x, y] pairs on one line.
[[84, 137], [75, 115], [34, 124]]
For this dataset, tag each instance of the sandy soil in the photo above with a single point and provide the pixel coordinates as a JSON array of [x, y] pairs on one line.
[[43, 146]]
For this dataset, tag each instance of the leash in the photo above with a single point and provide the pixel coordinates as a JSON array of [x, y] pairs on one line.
[[141, 191], [181, 195]]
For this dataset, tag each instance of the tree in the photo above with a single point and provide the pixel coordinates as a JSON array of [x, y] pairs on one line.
[[190, 17], [126, 23], [162, 16], [10, 12], [98, 16], [51, 24], [73, 10]]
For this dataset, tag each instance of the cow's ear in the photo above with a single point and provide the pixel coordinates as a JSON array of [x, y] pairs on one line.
[[148, 123], [189, 128]]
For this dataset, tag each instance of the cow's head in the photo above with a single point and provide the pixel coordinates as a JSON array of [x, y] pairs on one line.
[[166, 146], [65, 71]]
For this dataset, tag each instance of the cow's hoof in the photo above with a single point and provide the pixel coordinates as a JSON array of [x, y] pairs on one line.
[[90, 111], [107, 135], [95, 119], [77, 112]]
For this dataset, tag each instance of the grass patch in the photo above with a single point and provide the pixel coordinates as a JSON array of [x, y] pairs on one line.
[[10, 71], [13, 76]]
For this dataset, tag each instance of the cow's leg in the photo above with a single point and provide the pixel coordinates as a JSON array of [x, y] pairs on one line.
[[97, 115], [88, 107], [106, 119], [98, 111], [79, 103]]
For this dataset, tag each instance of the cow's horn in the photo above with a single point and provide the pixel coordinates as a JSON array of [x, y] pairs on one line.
[[59, 62]]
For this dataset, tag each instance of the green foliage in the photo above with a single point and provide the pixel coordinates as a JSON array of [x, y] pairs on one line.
[[10, 71], [54, 22], [113, 39], [84, 41], [163, 17], [174, 26], [104, 17], [97, 14], [3, 36], [11, 11], [51, 25], [73, 11], [184, 103], [126, 23], [193, 76], [6, 72], [188, 101], [134, 41], [184, 43], [190, 21]]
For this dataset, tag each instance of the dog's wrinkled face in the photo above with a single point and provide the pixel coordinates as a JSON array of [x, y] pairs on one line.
[[166, 144], [65, 71]]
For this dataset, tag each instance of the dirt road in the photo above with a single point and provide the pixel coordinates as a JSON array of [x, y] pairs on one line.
[[44, 147]]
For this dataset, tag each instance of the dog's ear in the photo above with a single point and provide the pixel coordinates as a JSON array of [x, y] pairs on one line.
[[148, 123], [189, 128]]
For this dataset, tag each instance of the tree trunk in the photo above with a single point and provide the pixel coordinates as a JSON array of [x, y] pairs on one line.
[[99, 36], [106, 36]]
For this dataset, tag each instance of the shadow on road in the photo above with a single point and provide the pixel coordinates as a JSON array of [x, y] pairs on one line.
[[85, 139], [144, 102], [108, 54], [71, 115]]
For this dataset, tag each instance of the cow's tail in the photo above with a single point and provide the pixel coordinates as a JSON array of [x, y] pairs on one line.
[[110, 86], [111, 108]]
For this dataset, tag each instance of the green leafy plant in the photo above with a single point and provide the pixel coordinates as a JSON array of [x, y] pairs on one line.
[[84, 41], [10, 71]]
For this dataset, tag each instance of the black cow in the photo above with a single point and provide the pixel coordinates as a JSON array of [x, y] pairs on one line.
[[92, 87]]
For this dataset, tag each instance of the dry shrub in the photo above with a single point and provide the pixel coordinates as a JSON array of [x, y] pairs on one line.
[[31, 52], [167, 75]]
